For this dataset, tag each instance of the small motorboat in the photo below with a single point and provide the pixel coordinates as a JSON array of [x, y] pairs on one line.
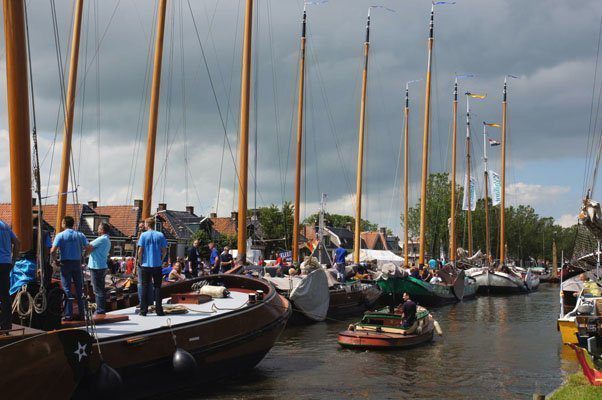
[[382, 330]]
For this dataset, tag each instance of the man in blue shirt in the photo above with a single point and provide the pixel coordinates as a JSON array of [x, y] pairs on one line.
[[71, 244], [214, 258], [9, 249], [97, 264], [339, 260], [152, 249]]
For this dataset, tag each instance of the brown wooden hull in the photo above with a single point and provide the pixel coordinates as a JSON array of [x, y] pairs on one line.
[[343, 303], [44, 366], [381, 340], [221, 345]]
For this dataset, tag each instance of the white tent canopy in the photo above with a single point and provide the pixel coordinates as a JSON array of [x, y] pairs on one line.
[[381, 257]]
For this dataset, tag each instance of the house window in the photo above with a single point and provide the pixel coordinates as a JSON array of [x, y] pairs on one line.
[[117, 251]]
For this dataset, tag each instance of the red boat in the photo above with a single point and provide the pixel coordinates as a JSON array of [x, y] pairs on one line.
[[382, 330], [593, 375]]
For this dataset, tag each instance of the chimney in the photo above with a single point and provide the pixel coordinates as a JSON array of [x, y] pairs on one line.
[[234, 215], [162, 207], [190, 209], [213, 215], [383, 230], [92, 204], [138, 203]]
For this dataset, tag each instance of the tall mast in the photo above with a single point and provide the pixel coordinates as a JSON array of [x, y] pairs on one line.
[[503, 200], [406, 167], [154, 112], [243, 155], [486, 183], [360, 149], [554, 272], [18, 120], [69, 111], [299, 139], [425, 139], [468, 185], [452, 230]]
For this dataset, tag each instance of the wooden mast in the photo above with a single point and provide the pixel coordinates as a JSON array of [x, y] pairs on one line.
[[467, 187], [69, 112], [425, 139], [452, 229], [486, 183], [18, 120], [154, 112], [299, 140], [243, 159], [360, 149], [554, 273], [406, 161], [503, 199]]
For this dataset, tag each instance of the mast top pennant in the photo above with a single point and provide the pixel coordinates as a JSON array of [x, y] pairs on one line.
[[476, 95], [313, 3], [492, 125], [438, 3], [408, 83], [379, 6]]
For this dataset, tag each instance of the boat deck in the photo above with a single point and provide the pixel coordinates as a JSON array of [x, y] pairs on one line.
[[137, 323]]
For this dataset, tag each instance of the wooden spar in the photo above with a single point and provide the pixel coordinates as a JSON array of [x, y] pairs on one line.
[[406, 161], [486, 183], [154, 112], [554, 273], [360, 149], [243, 159], [425, 139], [452, 229], [69, 111], [299, 141], [503, 199], [467, 187], [18, 120]]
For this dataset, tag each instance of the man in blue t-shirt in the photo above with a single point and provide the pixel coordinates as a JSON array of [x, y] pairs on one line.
[[9, 249], [339, 260], [97, 264], [152, 249], [71, 244], [214, 258]]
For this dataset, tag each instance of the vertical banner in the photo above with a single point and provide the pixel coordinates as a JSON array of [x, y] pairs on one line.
[[473, 193], [496, 188]]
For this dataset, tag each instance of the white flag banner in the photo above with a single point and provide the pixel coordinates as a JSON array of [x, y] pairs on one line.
[[495, 184], [473, 193]]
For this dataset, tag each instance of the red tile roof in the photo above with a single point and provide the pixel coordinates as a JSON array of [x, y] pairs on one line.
[[224, 226], [49, 212], [124, 218], [372, 239]]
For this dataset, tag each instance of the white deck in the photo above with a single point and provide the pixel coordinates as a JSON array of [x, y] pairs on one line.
[[139, 324]]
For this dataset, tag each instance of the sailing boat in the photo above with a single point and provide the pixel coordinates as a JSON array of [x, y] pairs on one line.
[[506, 279], [453, 286], [317, 295], [217, 336]]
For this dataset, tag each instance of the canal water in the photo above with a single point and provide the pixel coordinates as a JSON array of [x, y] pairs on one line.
[[492, 348]]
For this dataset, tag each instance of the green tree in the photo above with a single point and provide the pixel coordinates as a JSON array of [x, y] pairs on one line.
[[276, 226], [340, 221]]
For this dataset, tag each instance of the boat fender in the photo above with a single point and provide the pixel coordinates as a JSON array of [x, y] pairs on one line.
[[214, 291], [438, 328], [108, 380], [183, 361], [419, 328]]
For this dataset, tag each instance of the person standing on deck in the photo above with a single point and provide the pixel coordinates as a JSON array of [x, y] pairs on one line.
[[339, 260], [99, 251], [194, 260], [409, 312], [9, 249], [214, 258], [226, 262], [71, 245], [152, 249], [138, 271]]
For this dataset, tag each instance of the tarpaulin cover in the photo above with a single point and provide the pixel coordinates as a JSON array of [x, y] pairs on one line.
[[23, 272]]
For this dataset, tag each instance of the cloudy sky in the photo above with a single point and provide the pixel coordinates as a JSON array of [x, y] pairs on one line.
[[550, 45]]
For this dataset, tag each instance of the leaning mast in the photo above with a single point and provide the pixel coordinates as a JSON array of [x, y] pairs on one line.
[[503, 156], [468, 186], [486, 183], [69, 112], [406, 161], [360, 150], [154, 112], [243, 155], [300, 104], [425, 139], [452, 228]]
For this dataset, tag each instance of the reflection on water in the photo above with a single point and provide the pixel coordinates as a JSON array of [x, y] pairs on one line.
[[492, 347]]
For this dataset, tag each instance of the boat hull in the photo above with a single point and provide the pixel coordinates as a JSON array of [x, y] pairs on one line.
[[501, 283], [221, 346], [568, 330], [421, 292]]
